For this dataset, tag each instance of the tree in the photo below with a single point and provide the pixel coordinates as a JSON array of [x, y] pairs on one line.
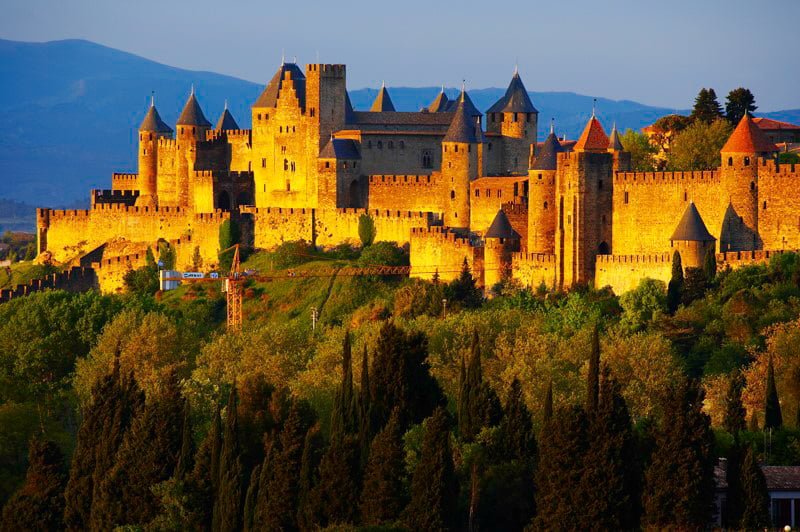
[[463, 289], [256, 510], [772, 406], [755, 497], [710, 265], [739, 102], [734, 420], [39, 503], [365, 430], [434, 487], [197, 259], [593, 374], [675, 286], [643, 304], [642, 151], [366, 230], [336, 495], [547, 413], [679, 482], [706, 106], [229, 234], [344, 416], [203, 482], [697, 147], [144, 280], [694, 286], [228, 503], [516, 428], [478, 405], [166, 255], [308, 512], [186, 456], [383, 496]]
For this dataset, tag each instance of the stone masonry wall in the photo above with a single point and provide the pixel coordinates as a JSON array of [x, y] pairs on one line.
[[438, 249], [779, 206], [624, 272], [533, 269]]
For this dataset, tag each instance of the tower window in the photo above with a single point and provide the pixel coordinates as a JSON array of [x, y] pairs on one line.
[[259, 116], [391, 145], [452, 194], [280, 129], [765, 206], [600, 184], [285, 165], [263, 163], [730, 161], [545, 205], [490, 146], [626, 197], [312, 112], [427, 159], [456, 148], [747, 161], [327, 164], [752, 185], [685, 195], [469, 147], [288, 186], [514, 117], [477, 193]]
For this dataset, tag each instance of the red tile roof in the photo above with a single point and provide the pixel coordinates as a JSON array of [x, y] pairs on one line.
[[768, 124], [593, 137], [748, 138]]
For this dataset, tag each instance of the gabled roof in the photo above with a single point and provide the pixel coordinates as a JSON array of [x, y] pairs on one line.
[[463, 128], [383, 102], [226, 121], [515, 100], [748, 138], [439, 105], [501, 227], [192, 115], [691, 228], [269, 97], [593, 138], [547, 157], [768, 124], [340, 149], [614, 143], [152, 122]]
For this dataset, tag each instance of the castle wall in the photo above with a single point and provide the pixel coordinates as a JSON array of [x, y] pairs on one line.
[[440, 250], [121, 181], [534, 269], [487, 196], [542, 211], [399, 153], [779, 206], [407, 192], [166, 180], [624, 272], [75, 279], [517, 213]]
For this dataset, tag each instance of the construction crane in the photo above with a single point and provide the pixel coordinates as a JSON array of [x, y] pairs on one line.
[[233, 289]]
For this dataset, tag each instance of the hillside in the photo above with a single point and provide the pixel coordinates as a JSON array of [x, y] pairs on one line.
[[70, 110]]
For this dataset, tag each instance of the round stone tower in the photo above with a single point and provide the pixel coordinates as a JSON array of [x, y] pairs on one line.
[[500, 241], [150, 131], [692, 239], [542, 196], [461, 163], [192, 126]]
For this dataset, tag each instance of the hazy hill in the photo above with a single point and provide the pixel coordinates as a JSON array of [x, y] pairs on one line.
[[70, 110]]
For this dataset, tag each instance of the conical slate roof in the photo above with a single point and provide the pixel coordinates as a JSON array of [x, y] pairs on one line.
[[515, 100], [152, 122], [472, 111], [192, 115], [614, 143], [593, 138], [547, 158], [691, 228], [501, 227], [226, 121], [269, 96], [463, 126], [748, 138], [383, 103], [440, 104]]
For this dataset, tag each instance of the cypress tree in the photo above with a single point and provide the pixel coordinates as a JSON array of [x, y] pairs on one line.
[[734, 420], [516, 428], [365, 430], [755, 497], [679, 482], [39, 503], [675, 286], [434, 487], [753, 425], [772, 406], [593, 375], [229, 498], [251, 497], [344, 417], [383, 496], [308, 514], [694, 285], [337, 493], [547, 413], [186, 456], [710, 266], [148, 455], [201, 485], [463, 289], [562, 446], [733, 474], [611, 474], [259, 495], [478, 405]]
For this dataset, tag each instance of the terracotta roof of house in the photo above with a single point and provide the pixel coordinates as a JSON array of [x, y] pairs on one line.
[[269, 96], [440, 103], [226, 121], [340, 149], [593, 138], [515, 100], [383, 102], [614, 142], [152, 122], [691, 228], [501, 227], [768, 124], [463, 128], [547, 156], [192, 115], [748, 138]]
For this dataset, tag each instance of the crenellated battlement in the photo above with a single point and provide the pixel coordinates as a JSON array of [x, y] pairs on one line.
[[223, 175], [403, 180], [75, 279], [229, 134], [249, 209], [540, 258], [645, 258], [167, 142], [124, 197], [218, 216], [118, 176], [658, 178], [441, 233], [327, 70], [773, 169], [744, 258]]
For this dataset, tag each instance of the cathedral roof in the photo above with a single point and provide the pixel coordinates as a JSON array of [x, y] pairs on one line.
[[515, 100], [501, 227], [382, 102], [226, 121], [192, 115], [152, 122], [340, 149], [593, 137], [440, 104], [547, 158], [463, 128], [748, 138], [269, 97], [691, 228], [614, 142]]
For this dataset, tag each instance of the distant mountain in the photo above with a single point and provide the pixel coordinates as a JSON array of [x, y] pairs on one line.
[[70, 110]]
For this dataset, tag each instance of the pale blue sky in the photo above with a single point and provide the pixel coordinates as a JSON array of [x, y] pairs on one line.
[[655, 52]]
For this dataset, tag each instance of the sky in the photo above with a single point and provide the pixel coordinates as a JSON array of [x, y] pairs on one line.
[[654, 52]]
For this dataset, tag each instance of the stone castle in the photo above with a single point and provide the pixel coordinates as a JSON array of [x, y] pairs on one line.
[[553, 213]]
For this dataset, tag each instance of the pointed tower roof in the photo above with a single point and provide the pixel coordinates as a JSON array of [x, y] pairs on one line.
[[501, 227], [691, 227], [192, 115], [748, 138], [547, 158], [152, 122], [226, 120], [614, 143], [349, 114], [515, 100], [269, 96], [340, 149], [439, 105], [472, 111], [463, 126], [593, 138], [383, 103]]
